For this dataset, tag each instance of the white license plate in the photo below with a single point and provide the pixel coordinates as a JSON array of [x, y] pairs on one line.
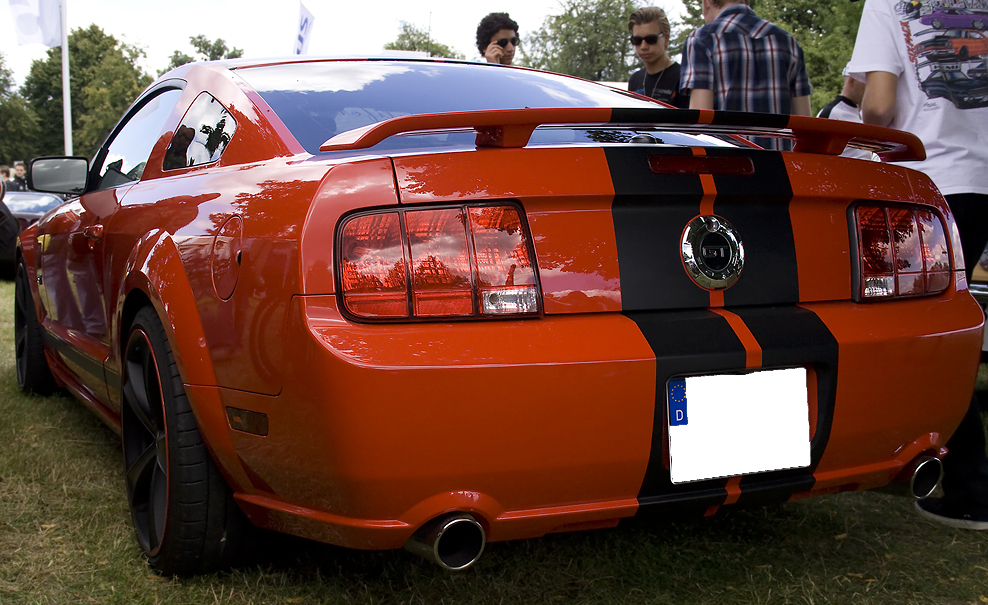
[[736, 424]]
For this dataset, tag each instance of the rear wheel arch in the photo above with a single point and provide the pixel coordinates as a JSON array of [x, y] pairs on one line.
[[157, 277]]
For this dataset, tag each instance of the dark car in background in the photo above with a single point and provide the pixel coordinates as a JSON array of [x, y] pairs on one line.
[[18, 211]]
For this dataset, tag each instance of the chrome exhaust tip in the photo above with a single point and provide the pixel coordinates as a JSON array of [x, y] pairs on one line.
[[454, 541], [927, 472], [918, 479]]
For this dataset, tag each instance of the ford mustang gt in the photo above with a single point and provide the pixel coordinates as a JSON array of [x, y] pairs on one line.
[[432, 304]]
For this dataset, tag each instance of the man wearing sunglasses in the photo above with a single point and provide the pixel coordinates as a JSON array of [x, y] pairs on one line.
[[497, 38], [739, 61], [659, 79]]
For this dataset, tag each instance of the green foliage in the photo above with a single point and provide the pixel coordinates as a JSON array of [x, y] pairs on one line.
[[693, 20], [414, 39], [588, 39], [825, 30], [206, 51], [105, 81], [18, 123]]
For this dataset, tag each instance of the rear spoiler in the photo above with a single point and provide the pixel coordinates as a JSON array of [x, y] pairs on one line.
[[514, 128]]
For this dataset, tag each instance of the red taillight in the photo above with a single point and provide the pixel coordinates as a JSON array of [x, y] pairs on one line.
[[463, 261], [506, 279], [441, 283], [372, 266], [902, 252]]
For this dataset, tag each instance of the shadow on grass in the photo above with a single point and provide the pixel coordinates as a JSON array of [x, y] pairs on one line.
[[865, 546], [852, 547]]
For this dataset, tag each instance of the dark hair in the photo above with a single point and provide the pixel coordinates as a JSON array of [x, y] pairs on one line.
[[490, 25], [647, 15]]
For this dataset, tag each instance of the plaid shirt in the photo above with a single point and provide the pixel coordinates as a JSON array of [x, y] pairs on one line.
[[749, 63]]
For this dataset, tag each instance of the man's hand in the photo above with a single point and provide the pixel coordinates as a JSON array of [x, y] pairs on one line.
[[493, 53]]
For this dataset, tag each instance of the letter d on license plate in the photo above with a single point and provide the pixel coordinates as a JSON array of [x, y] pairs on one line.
[[735, 424]]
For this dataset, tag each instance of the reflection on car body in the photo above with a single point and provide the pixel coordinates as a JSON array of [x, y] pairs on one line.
[[434, 304]]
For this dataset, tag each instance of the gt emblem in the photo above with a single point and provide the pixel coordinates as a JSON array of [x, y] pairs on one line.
[[712, 252]]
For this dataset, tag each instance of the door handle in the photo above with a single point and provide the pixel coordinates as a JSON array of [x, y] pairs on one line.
[[94, 232]]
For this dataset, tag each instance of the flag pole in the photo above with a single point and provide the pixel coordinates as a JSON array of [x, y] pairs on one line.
[[66, 96]]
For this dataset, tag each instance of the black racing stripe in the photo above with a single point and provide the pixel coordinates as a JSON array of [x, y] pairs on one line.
[[739, 119], [757, 206], [650, 212], [86, 364], [754, 120], [629, 115], [114, 380], [684, 342], [791, 337]]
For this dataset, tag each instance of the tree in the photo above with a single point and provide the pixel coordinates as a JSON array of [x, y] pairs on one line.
[[105, 80], [588, 39], [825, 30], [18, 124], [413, 38], [207, 51]]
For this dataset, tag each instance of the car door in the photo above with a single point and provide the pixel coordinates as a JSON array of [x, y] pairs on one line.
[[74, 242]]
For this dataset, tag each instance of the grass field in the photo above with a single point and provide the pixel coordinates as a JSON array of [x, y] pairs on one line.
[[65, 537]]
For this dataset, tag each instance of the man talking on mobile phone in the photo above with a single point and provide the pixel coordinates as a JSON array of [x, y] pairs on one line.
[[497, 38]]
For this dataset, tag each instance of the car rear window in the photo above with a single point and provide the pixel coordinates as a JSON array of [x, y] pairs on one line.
[[318, 100]]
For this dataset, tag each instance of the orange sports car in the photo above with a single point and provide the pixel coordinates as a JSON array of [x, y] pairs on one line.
[[386, 303]]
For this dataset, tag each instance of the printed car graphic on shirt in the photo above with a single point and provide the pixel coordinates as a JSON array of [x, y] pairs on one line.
[[954, 17], [962, 90], [953, 45], [948, 53]]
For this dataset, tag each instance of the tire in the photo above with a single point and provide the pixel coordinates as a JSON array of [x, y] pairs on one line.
[[183, 511], [33, 374], [963, 54], [978, 24], [937, 24]]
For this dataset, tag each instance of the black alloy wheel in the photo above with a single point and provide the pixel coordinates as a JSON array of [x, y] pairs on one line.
[[145, 443], [183, 511], [33, 373]]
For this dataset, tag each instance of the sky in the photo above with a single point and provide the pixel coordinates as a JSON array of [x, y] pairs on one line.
[[267, 29]]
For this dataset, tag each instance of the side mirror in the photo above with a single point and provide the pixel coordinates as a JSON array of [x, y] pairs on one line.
[[66, 175]]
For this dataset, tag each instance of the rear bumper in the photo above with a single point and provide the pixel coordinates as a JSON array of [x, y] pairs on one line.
[[554, 424]]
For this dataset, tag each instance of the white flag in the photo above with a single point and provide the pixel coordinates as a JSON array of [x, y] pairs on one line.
[[305, 20], [37, 21]]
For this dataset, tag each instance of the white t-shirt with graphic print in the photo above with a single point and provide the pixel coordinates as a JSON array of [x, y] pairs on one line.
[[939, 54]]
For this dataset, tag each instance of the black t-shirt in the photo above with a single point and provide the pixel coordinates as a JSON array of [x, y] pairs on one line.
[[17, 184], [663, 86]]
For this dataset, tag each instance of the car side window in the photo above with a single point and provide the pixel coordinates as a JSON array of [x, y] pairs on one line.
[[128, 152], [202, 136]]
